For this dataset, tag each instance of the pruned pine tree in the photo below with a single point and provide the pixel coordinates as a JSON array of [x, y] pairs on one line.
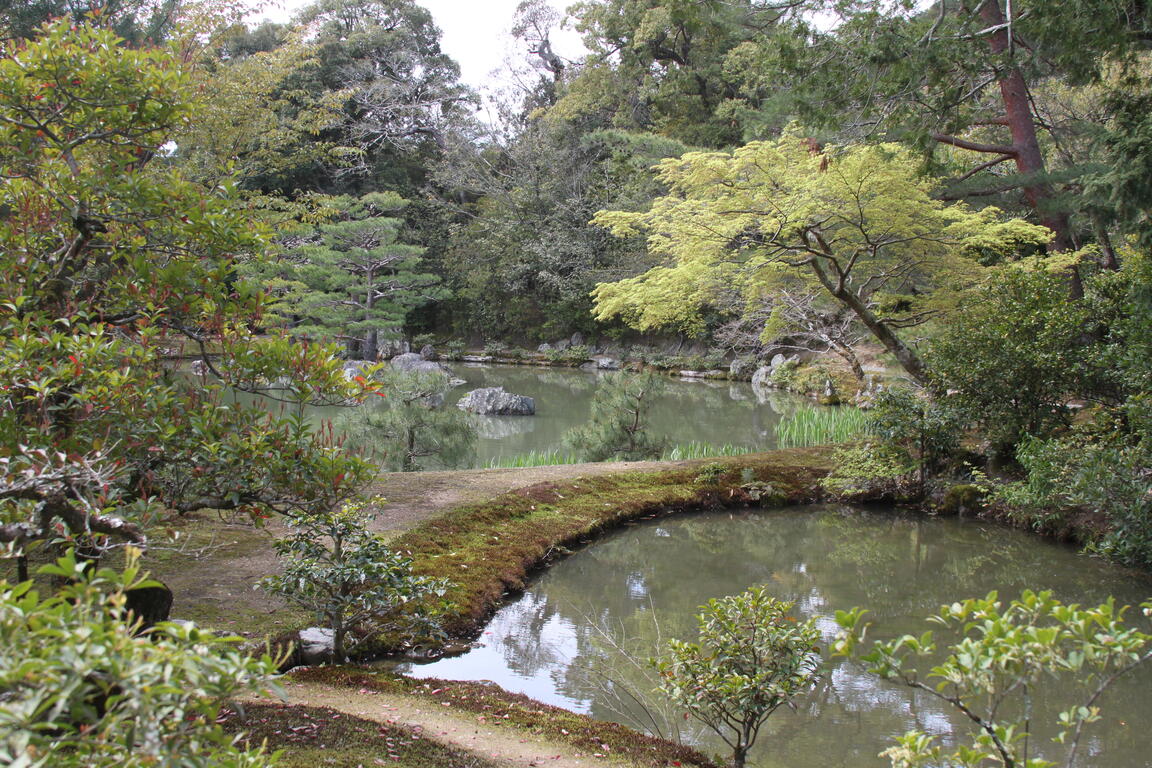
[[354, 279]]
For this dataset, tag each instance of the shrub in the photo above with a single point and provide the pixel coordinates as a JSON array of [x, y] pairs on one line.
[[350, 580], [751, 659], [83, 690]]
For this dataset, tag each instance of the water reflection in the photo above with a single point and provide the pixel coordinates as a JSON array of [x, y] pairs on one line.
[[580, 636], [685, 411]]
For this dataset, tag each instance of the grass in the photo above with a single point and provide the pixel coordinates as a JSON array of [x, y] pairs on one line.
[[319, 737], [486, 550], [533, 459], [809, 426], [698, 450], [503, 709]]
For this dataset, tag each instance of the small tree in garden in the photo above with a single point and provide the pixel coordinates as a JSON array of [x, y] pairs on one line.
[[350, 580], [751, 658], [999, 654], [617, 427], [415, 424], [83, 690]]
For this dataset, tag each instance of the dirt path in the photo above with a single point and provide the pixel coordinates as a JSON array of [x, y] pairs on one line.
[[468, 731], [213, 573]]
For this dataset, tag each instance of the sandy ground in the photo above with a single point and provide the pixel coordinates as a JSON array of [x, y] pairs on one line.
[[465, 730]]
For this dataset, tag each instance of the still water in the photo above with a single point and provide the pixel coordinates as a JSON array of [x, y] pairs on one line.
[[704, 411], [579, 637]]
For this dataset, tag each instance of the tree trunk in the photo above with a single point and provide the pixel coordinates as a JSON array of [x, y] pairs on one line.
[[369, 347], [904, 354], [739, 755], [1018, 110], [845, 352]]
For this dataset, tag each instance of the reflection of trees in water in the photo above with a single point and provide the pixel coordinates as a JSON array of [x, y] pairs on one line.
[[616, 602]]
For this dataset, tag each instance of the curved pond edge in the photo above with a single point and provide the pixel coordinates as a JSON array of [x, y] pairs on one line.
[[488, 550], [499, 708]]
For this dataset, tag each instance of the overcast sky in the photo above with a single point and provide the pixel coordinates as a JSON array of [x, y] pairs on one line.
[[475, 32]]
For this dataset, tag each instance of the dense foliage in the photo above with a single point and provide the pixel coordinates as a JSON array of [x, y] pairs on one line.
[[350, 580], [83, 688]]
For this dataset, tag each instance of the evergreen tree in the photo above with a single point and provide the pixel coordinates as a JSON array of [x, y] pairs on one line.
[[354, 279], [617, 428]]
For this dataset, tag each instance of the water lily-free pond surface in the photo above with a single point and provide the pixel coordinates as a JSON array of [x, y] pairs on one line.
[[713, 412], [579, 637]]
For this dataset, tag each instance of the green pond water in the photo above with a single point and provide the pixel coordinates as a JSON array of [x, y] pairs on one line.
[[579, 636], [710, 412]]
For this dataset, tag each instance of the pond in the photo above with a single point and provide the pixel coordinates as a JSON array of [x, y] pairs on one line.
[[712, 412], [580, 635]]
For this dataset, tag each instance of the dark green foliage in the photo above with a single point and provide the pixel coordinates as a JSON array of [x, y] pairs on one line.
[[617, 426], [136, 21], [1012, 360], [416, 425], [350, 580], [352, 280]]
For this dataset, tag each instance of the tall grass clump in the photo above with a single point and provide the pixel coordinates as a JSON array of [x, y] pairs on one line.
[[699, 450], [533, 459], [810, 425]]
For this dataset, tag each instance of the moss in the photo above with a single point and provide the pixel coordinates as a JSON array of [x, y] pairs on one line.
[[961, 499], [319, 737], [487, 550], [504, 709]]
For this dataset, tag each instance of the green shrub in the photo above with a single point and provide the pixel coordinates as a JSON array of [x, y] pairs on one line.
[[82, 690]]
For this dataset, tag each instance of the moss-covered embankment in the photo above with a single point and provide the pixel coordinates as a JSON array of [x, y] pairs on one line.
[[488, 549]]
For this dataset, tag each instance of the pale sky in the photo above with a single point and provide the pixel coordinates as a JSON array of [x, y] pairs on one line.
[[475, 32]]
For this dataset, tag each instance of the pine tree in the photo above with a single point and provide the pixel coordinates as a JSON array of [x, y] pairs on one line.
[[355, 278]]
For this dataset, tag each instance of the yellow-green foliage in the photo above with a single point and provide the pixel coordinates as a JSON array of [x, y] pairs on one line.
[[754, 220]]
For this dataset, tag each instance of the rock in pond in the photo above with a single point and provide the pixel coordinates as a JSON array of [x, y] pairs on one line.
[[494, 401]]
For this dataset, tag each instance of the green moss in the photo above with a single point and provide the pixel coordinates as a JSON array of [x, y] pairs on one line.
[[512, 710], [488, 549], [962, 499], [319, 737]]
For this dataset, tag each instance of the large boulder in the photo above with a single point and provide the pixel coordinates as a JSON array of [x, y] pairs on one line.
[[428, 352], [741, 367], [494, 401], [605, 363], [315, 645], [762, 377], [413, 361]]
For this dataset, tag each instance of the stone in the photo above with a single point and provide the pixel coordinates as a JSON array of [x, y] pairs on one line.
[[476, 358], [544, 347], [763, 377], [562, 345], [777, 361], [713, 373], [428, 352], [316, 645], [741, 366], [413, 361], [386, 348], [607, 364], [577, 339], [494, 401]]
